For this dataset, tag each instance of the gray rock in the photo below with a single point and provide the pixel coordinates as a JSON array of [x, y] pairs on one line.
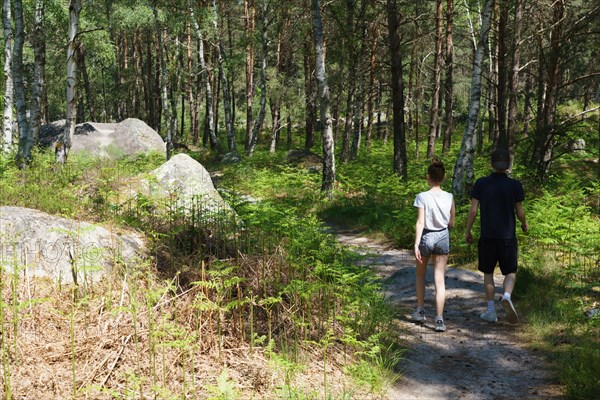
[[107, 140], [591, 313], [183, 185], [42, 245], [578, 145], [231, 158]]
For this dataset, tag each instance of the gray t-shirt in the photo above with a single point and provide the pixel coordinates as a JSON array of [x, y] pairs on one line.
[[437, 205]]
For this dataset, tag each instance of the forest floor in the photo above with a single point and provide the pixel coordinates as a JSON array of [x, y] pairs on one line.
[[473, 359]]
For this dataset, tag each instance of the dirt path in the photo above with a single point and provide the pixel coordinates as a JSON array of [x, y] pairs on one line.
[[473, 359]]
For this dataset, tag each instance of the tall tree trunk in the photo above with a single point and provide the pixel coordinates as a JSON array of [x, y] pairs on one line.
[[370, 94], [275, 101], [210, 122], [327, 133], [263, 81], [25, 139], [64, 144], [448, 84], [513, 95], [309, 96], [545, 130], [501, 99], [400, 160], [229, 128], [87, 87], [7, 122], [345, 153], [437, 73], [249, 14], [39, 70], [464, 175], [163, 82], [492, 97]]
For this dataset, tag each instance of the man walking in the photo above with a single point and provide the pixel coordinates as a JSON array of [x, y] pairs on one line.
[[500, 199]]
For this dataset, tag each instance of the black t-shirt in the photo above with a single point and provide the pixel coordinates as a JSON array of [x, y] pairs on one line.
[[497, 195]]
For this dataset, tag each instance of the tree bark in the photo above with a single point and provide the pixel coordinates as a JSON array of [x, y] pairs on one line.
[[263, 81], [464, 175], [39, 70], [163, 82], [25, 139], [7, 122], [400, 161], [230, 132], [249, 13], [64, 144], [437, 73], [210, 122], [514, 77], [448, 84], [328, 180]]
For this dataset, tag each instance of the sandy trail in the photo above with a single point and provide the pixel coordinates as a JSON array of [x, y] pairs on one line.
[[473, 359]]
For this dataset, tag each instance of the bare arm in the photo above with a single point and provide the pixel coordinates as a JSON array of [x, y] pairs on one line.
[[521, 216], [471, 219], [452, 216], [419, 231]]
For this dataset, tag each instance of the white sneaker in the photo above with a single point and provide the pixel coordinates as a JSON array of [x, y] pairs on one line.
[[509, 309], [418, 315], [439, 326], [489, 316]]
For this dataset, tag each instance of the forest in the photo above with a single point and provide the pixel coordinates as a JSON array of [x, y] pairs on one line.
[[308, 115]]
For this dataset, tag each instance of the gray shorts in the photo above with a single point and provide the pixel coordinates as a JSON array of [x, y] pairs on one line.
[[434, 242]]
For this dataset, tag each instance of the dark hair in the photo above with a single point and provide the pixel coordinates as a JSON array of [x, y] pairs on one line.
[[436, 170]]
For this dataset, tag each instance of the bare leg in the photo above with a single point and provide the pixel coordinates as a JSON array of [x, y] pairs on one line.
[[439, 278], [420, 281], [488, 284], [509, 282]]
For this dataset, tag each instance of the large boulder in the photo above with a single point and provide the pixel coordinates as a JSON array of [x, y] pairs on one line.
[[61, 249], [183, 185], [107, 140]]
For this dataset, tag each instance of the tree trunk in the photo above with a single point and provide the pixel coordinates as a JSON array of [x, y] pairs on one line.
[[513, 95], [545, 130], [501, 98], [39, 70], [163, 82], [464, 175], [230, 132], [437, 73], [249, 13], [7, 123], [309, 94], [400, 161], [327, 133], [64, 144], [210, 122], [25, 139], [263, 81], [448, 84]]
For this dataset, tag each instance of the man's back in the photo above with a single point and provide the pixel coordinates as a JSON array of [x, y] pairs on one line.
[[497, 195]]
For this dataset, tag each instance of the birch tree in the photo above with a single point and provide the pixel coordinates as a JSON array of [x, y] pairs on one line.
[[64, 144], [7, 122], [327, 123], [39, 69], [464, 175], [25, 139]]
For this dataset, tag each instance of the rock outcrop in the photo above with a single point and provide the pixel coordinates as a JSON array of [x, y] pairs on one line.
[[180, 185], [42, 245], [107, 140]]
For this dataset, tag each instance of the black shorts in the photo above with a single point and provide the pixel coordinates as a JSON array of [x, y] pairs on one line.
[[497, 251]]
